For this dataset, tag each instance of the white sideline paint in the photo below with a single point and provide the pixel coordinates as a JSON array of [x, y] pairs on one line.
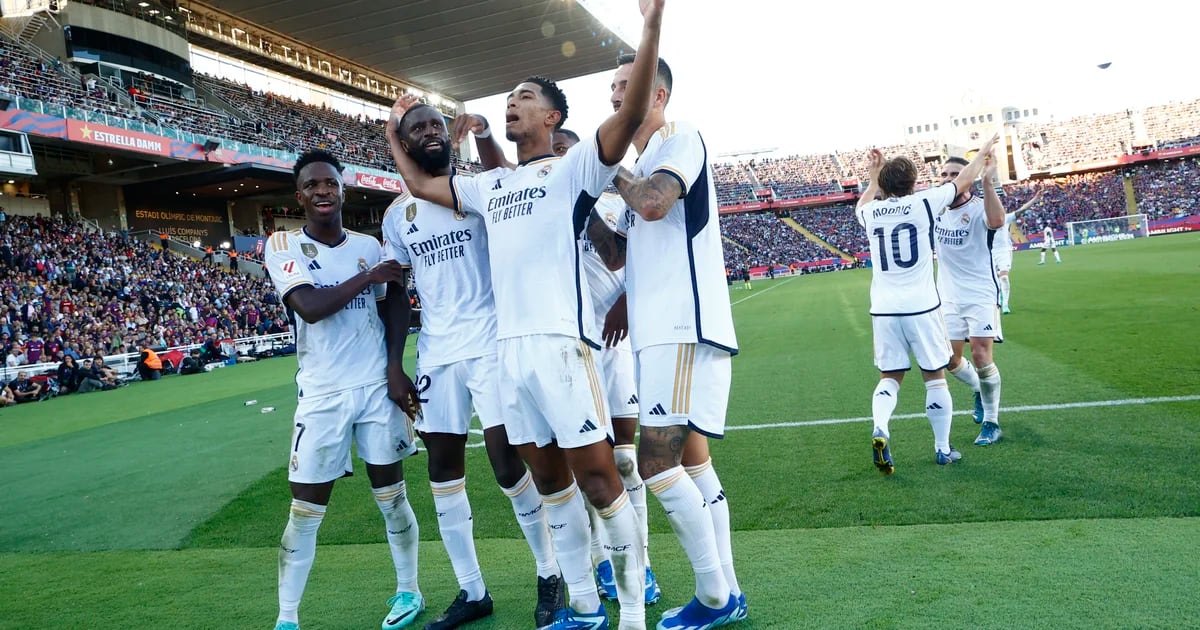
[[1018, 409], [906, 416], [773, 286]]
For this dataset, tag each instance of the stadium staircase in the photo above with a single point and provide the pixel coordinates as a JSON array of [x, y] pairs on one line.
[[792, 223], [736, 244]]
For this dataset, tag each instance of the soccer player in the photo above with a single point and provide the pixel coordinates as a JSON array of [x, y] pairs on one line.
[[551, 395], [1002, 252], [905, 307], [682, 332], [608, 297], [333, 280], [1049, 243], [447, 253], [964, 233]]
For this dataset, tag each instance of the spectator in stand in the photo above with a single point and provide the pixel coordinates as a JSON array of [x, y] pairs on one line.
[[25, 389], [107, 376], [15, 357], [233, 260], [6, 395], [208, 256], [192, 364], [164, 239], [69, 375]]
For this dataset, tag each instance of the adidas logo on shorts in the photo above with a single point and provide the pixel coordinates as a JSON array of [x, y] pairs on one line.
[[588, 425], [658, 410], [988, 327], [632, 400]]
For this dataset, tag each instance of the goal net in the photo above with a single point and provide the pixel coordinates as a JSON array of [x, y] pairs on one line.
[[1120, 228]]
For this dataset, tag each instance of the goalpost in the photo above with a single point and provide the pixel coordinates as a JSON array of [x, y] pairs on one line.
[[1120, 228]]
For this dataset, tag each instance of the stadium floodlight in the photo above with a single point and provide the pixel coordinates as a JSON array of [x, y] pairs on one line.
[[225, 245], [1122, 228], [196, 244]]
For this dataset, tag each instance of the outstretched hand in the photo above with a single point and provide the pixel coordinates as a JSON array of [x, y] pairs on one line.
[[652, 9], [874, 163], [464, 124]]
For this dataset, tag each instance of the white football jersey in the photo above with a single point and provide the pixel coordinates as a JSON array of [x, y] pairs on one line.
[[1003, 239], [606, 286], [675, 267], [345, 350], [448, 254], [1048, 235], [964, 243], [534, 216], [900, 232]]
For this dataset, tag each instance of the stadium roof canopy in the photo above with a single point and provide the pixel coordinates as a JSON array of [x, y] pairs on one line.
[[463, 49]]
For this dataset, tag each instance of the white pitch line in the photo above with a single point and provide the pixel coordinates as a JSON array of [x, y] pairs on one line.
[[1018, 409], [773, 286]]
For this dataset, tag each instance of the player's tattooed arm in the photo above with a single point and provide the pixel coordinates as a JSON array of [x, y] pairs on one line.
[[651, 197], [609, 245]]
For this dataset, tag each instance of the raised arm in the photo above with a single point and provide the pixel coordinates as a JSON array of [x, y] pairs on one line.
[[971, 171], [420, 183], [490, 153], [1029, 204], [993, 208], [313, 304], [651, 197], [874, 165], [617, 131]]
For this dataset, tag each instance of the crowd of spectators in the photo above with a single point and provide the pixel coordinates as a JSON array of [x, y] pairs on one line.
[[733, 184], [855, 162], [798, 175], [835, 225], [66, 292], [1167, 189], [1069, 198], [1080, 139], [765, 240]]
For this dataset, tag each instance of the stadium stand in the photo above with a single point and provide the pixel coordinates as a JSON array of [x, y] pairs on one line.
[[95, 294], [799, 175], [733, 184], [835, 225], [1070, 198], [1167, 189], [768, 241]]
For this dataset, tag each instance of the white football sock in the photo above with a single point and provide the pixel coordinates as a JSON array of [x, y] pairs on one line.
[[296, 552], [940, 409], [624, 545], [457, 528], [626, 456], [527, 505], [965, 372], [568, 521], [403, 535], [1056, 256], [597, 536], [688, 514], [883, 403], [709, 484], [1043, 256], [1005, 290], [989, 380]]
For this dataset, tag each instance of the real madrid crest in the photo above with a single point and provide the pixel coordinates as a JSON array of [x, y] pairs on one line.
[[410, 212], [309, 249], [545, 170], [362, 264], [964, 219]]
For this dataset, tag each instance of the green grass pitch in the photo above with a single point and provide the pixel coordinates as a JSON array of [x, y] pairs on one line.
[[161, 505]]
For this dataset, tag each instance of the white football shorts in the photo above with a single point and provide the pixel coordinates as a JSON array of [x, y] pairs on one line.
[[448, 393], [684, 384], [1002, 259], [620, 378], [972, 320], [924, 335], [551, 389], [325, 425]]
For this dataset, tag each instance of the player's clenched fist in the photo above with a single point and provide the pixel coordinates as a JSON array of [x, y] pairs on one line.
[[385, 272]]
